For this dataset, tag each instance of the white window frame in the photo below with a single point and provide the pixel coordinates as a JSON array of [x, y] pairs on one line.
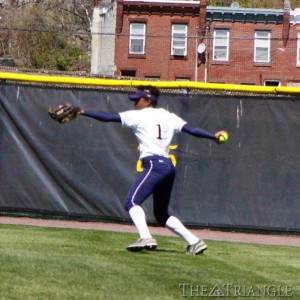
[[179, 40], [137, 36], [298, 49], [262, 46], [221, 44]]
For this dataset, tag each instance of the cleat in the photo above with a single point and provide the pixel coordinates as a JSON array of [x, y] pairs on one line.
[[197, 248], [140, 244]]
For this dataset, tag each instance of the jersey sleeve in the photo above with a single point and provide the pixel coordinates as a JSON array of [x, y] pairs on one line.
[[129, 119], [178, 123]]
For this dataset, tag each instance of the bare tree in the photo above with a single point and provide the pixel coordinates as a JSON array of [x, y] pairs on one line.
[[51, 34]]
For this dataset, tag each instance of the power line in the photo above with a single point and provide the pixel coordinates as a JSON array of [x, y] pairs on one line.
[[76, 32]]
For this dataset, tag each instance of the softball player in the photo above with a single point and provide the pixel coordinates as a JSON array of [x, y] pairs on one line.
[[154, 129]]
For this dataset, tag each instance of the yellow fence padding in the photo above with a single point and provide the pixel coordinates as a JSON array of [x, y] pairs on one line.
[[160, 84]]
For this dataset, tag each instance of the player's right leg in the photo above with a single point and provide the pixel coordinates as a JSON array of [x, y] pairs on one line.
[[195, 245], [161, 200], [197, 248]]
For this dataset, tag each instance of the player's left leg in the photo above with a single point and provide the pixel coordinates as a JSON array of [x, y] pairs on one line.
[[154, 171]]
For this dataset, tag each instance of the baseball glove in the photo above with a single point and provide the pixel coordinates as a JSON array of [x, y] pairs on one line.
[[63, 113]]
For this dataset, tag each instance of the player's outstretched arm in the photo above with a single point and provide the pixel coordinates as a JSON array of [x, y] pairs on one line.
[[198, 132], [102, 116]]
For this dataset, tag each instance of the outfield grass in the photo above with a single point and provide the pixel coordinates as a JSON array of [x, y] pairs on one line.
[[55, 263]]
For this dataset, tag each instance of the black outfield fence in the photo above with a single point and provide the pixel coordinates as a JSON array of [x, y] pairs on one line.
[[84, 168]]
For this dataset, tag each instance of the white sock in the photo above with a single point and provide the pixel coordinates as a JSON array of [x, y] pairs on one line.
[[178, 228], [138, 217]]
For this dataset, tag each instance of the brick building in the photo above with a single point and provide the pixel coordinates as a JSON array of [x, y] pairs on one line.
[[188, 40]]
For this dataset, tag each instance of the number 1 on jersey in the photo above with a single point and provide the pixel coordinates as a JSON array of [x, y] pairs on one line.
[[159, 131]]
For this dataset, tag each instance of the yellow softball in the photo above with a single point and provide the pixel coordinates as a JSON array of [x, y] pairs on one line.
[[223, 137]]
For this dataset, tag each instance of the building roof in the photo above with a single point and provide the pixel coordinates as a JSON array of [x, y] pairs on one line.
[[234, 13], [246, 10], [238, 14]]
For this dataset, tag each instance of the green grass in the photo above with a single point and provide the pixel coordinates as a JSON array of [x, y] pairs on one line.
[[54, 263]]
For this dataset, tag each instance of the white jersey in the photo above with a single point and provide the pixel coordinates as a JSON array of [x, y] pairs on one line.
[[154, 129]]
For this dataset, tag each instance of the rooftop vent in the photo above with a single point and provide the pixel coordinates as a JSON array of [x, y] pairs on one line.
[[235, 5]]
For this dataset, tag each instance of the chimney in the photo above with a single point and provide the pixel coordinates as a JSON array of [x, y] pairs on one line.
[[286, 22], [202, 20], [119, 17]]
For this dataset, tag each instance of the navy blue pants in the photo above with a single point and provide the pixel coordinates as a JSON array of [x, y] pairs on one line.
[[157, 178]]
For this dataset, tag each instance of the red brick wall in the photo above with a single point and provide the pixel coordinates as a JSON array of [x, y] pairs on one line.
[[241, 67], [158, 62]]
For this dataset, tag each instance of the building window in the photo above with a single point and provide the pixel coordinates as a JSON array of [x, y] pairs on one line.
[[182, 78], [154, 78], [137, 38], [298, 50], [128, 73], [262, 46], [272, 83], [221, 45], [179, 40]]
